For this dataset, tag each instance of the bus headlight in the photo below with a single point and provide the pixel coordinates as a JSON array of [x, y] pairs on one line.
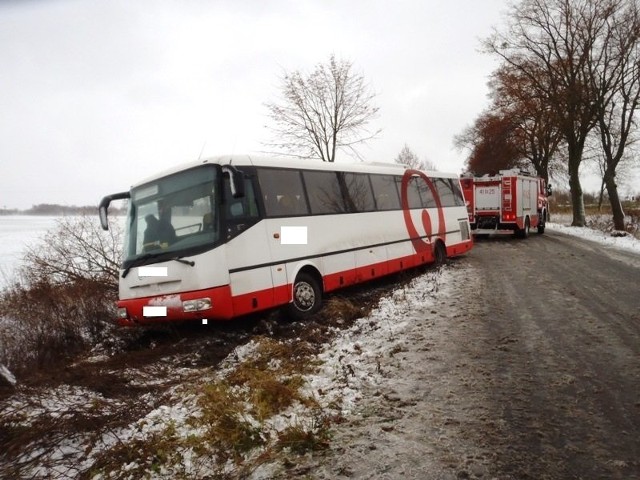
[[196, 305], [122, 313]]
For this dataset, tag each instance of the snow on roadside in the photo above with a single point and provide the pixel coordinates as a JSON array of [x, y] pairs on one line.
[[627, 242], [358, 359], [353, 358]]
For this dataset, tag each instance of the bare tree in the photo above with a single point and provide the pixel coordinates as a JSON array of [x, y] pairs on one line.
[[558, 45], [619, 79], [322, 112], [516, 131], [623, 174], [409, 158], [491, 143], [533, 133], [76, 251]]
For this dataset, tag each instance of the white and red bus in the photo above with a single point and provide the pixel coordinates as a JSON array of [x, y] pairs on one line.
[[229, 236]]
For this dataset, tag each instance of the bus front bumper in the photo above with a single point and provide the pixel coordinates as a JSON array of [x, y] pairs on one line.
[[208, 304]]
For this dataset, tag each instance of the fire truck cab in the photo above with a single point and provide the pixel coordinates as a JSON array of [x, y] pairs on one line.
[[510, 202]]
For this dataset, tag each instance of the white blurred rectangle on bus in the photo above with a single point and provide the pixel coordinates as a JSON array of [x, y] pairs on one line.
[[152, 271], [154, 311], [293, 235]]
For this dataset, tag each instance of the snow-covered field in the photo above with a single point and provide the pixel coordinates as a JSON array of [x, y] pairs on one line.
[[16, 233]]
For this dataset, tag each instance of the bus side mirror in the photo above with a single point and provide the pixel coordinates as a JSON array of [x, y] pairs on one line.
[[549, 190], [103, 208], [236, 180]]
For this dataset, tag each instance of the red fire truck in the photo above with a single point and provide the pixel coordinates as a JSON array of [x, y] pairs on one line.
[[510, 202]]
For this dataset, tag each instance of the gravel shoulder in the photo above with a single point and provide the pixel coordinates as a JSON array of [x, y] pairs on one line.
[[526, 365]]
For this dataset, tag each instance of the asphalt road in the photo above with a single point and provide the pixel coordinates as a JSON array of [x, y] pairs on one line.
[[558, 334]]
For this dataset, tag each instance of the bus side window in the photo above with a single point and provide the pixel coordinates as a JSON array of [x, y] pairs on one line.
[[325, 194], [457, 192], [359, 191], [246, 206], [426, 194], [413, 194], [241, 213], [385, 192], [445, 191], [282, 192]]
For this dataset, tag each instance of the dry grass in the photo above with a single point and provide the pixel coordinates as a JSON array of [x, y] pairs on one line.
[[228, 429], [231, 430], [300, 439], [342, 308], [55, 323]]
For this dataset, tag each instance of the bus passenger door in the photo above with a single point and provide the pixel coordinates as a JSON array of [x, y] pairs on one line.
[[279, 253], [284, 249], [250, 268]]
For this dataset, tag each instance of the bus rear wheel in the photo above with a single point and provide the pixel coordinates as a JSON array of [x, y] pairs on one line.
[[307, 297], [439, 254]]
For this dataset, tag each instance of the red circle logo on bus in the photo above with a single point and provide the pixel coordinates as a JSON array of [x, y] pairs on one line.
[[421, 243]]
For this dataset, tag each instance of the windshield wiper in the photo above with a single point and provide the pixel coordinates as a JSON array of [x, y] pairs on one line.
[[143, 259], [186, 262], [137, 262]]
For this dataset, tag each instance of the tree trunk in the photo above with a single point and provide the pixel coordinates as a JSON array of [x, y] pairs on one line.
[[577, 201], [614, 199], [601, 196]]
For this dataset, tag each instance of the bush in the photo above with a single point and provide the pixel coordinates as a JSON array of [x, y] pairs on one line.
[[64, 296]]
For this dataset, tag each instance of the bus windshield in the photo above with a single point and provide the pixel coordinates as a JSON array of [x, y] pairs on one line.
[[175, 215]]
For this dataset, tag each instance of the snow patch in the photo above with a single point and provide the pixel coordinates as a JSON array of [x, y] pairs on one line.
[[7, 376], [626, 242], [354, 358]]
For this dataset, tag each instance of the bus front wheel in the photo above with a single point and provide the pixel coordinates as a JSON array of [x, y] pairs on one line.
[[307, 297]]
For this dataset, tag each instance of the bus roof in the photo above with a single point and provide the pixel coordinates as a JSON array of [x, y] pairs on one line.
[[290, 162]]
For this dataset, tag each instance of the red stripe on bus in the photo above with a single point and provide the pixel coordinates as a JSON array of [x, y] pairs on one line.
[[225, 306], [220, 299]]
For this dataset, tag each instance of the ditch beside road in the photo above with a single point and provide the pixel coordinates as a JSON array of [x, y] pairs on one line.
[[528, 368]]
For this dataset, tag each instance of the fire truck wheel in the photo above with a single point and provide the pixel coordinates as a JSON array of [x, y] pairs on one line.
[[439, 254], [307, 297], [524, 232], [541, 223]]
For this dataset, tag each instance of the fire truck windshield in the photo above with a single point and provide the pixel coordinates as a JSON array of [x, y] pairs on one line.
[[173, 216]]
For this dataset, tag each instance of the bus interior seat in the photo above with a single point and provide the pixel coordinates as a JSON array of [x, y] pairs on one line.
[[382, 201], [287, 205]]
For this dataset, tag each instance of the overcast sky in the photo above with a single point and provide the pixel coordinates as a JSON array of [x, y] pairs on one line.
[[96, 95]]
